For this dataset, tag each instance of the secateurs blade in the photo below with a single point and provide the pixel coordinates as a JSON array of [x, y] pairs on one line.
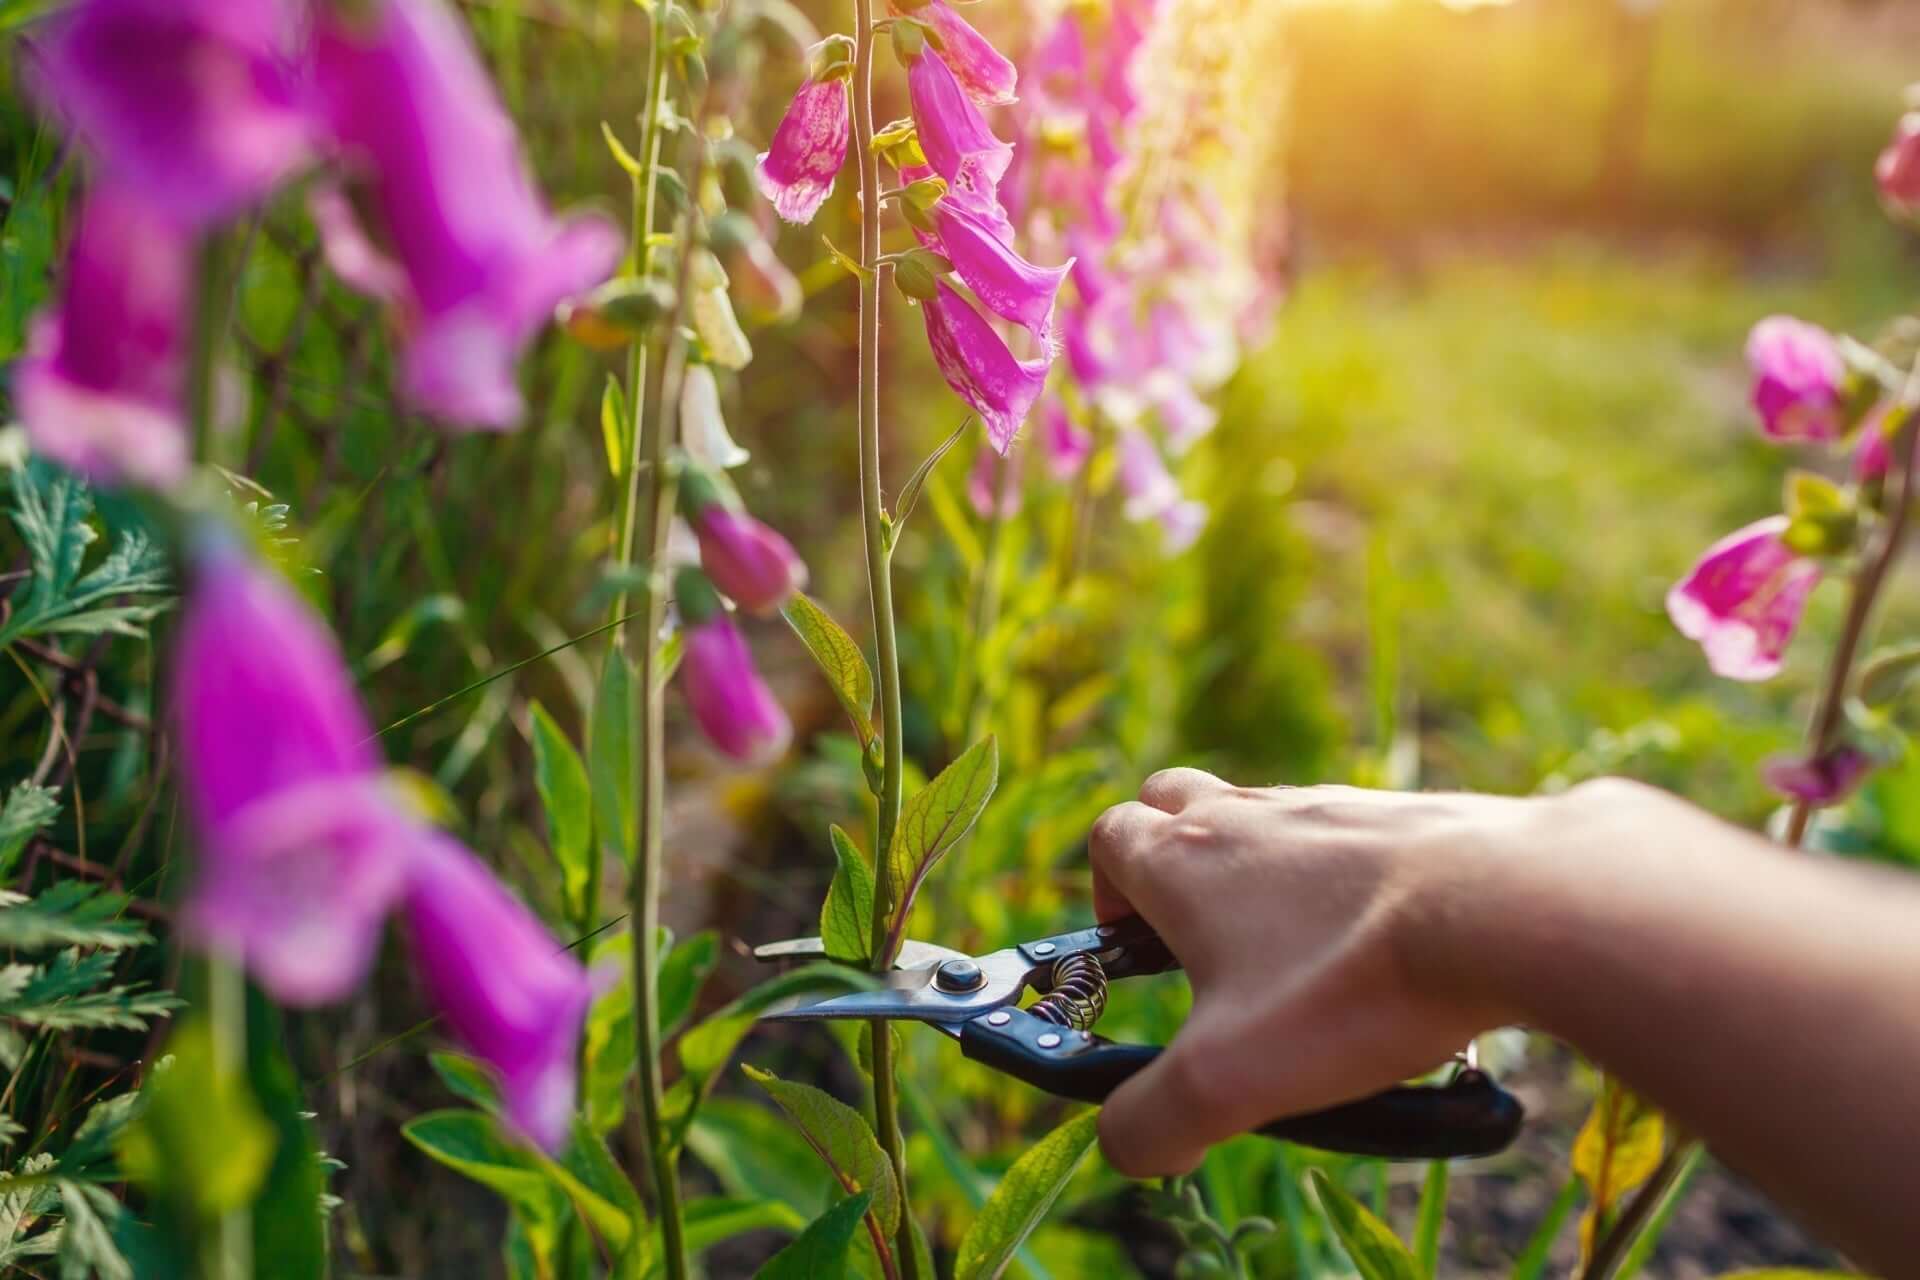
[[1050, 1043]]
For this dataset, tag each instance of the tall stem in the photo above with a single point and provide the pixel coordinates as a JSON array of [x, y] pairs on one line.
[[880, 588], [229, 1255]]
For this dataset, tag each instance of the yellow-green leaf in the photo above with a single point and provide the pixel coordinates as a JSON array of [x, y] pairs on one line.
[[561, 779], [839, 659], [934, 820], [1617, 1149], [1376, 1252], [613, 427], [1020, 1202], [840, 1136], [846, 918], [622, 156]]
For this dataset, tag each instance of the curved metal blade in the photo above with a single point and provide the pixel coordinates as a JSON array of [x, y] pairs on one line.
[[913, 953]]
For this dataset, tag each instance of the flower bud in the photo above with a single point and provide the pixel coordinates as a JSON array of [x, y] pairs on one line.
[[1898, 170], [748, 561], [733, 706], [1826, 780]]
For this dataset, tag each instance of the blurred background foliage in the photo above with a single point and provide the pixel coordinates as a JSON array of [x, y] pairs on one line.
[[1500, 411]]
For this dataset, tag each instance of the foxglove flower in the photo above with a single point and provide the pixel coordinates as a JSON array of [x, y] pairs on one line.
[[1006, 283], [1799, 379], [302, 852], [1826, 780], [102, 388], [1182, 524], [410, 109], [749, 562], [1874, 454], [959, 144], [730, 701], [197, 104], [506, 989], [982, 481], [765, 287], [1067, 443], [1184, 416], [1149, 488], [1898, 169], [1743, 599], [976, 363], [987, 76], [797, 169], [703, 429]]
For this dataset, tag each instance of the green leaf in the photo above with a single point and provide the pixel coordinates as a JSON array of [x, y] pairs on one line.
[[846, 917], [754, 1154], [68, 913], [1789, 1273], [1882, 678], [28, 810], [1616, 1150], [910, 491], [1021, 1201], [610, 760], [1376, 1252], [51, 511], [839, 658], [1532, 1262], [201, 1141], [821, 1251], [1432, 1217], [682, 973], [87, 1246], [66, 994], [466, 1079], [712, 1219], [840, 1136], [614, 425], [621, 156], [441, 608], [473, 1145], [852, 267], [934, 820], [565, 794]]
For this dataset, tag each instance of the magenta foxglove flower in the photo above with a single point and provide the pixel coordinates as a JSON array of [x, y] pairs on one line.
[[1819, 782], [732, 704], [1898, 169], [1798, 379], [749, 562], [797, 169], [987, 76], [982, 480], [302, 853], [196, 104], [976, 363], [102, 388], [1006, 283], [1067, 443], [411, 111], [958, 142], [507, 990], [1743, 599]]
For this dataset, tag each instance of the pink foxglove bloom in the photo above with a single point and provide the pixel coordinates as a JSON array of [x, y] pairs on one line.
[[506, 989], [982, 70], [749, 562], [1874, 454], [411, 111], [1898, 169], [797, 169], [302, 853], [1067, 443], [1148, 487], [1827, 780], [1182, 524], [197, 104], [1743, 599], [976, 363], [1799, 379], [958, 142], [1184, 416], [1006, 283], [703, 429], [982, 480], [732, 704], [102, 388]]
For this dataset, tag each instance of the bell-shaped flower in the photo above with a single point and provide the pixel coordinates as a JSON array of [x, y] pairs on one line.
[[1819, 781], [766, 290], [102, 387], [984, 478], [748, 561], [982, 70], [1799, 380], [196, 104], [1743, 599], [977, 364], [1004, 282], [1898, 169], [797, 170], [959, 144], [730, 702], [505, 988], [1148, 488], [302, 853], [703, 428], [410, 110], [1067, 443]]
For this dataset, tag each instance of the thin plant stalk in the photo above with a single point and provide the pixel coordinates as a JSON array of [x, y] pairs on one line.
[[886, 1108]]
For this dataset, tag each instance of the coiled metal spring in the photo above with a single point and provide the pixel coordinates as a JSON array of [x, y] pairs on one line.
[[1079, 994]]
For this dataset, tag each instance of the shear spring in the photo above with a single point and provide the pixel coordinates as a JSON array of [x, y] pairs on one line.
[[1079, 994]]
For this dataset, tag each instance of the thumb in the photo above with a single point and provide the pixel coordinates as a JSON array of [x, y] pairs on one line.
[[1161, 1121]]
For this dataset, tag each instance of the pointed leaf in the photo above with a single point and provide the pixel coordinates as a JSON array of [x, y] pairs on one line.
[[934, 820], [1616, 1150], [1021, 1201], [821, 1251], [472, 1144], [846, 918], [840, 1136], [610, 760], [839, 658], [466, 1079], [910, 491], [1376, 1252], [565, 794], [614, 425]]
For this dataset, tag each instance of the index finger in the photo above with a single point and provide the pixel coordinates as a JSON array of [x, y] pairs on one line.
[[1119, 838]]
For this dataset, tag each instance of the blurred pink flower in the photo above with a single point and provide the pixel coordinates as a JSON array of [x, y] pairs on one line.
[[506, 989], [1743, 599], [102, 387], [749, 562], [1824, 781], [797, 169], [732, 704], [1148, 486], [982, 478], [479, 262], [1874, 454], [1798, 379], [976, 363], [1067, 443], [1898, 169], [1182, 524], [959, 144], [196, 104], [987, 76]]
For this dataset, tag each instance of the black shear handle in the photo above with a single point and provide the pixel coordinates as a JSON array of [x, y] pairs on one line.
[[1470, 1115]]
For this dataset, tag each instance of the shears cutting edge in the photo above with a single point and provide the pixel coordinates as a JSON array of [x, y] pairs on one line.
[[1050, 1044]]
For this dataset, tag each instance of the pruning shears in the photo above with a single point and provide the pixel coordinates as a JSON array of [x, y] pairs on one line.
[[1050, 1043]]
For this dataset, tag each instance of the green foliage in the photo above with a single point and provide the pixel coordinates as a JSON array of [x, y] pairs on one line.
[[846, 917], [839, 658], [843, 1140], [1376, 1252], [1616, 1150], [28, 810], [820, 1252], [51, 512], [201, 1139], [935, 819], [1021, 1201], [568, 801], [610, 760]]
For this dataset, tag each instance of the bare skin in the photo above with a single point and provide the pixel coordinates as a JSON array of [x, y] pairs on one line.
[[1339, 940]]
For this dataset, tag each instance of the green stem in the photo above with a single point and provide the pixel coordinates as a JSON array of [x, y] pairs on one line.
[[880, 589], [230, 1252]]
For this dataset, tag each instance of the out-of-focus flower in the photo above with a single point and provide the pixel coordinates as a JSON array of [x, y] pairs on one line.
[[1819, 782], [766, 289], [982, 70], [1148, 486], [507, 990], [710, 310], [797, 169], [1183, 414], [1006, 283], [302, 852], [1898, 169], [976, 363], [703, 429], [1873, 455], [981, 481], [196, 104], [1743, 599], [1067, 443], [749, 562], [1182, 524], [1799, 379], [958, 143], [103, 385], [410, 110], [730, 702]]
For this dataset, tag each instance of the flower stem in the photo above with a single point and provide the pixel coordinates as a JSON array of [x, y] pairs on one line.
[[230, 1256], [880, 588]]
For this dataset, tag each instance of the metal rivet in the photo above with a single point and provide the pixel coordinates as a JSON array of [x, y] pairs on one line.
[[1044, 949], [1051, 1040], [999, 1017], [1107, 930], [959, 976]]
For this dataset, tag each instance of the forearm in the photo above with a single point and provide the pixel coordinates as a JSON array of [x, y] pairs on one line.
[[1770, 1001]]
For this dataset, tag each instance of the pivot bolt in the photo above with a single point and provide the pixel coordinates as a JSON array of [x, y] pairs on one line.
[[957, 977], [1051, 1040]]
